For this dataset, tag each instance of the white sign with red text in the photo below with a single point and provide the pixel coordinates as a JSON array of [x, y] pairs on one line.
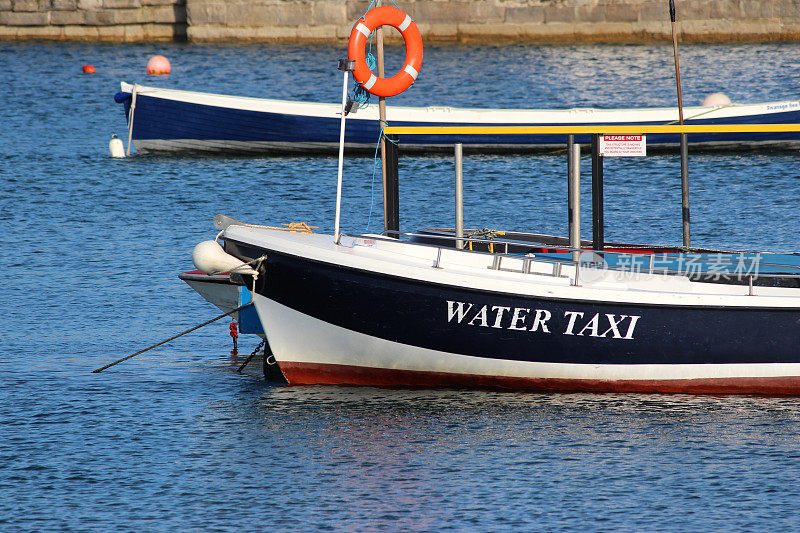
[[623, 145]]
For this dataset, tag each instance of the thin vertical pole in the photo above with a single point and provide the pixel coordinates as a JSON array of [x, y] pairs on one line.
[[459, 158], [336, 232], [382, 121], [574, 195], [598, 239], [675, 53], [685, 213], [684, 141]]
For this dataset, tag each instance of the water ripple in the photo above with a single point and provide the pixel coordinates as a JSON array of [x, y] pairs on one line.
[[177, 440]]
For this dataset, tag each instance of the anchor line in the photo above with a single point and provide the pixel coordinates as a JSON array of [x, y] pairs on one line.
[[98, 370]]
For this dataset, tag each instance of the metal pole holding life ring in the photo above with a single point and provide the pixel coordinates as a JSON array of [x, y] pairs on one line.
[[346, 66], [374, 18]]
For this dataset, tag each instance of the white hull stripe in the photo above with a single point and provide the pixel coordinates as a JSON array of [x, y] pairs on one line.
[[405, 24], [325, 343], [411, 71], [370, 82], [363, 29]]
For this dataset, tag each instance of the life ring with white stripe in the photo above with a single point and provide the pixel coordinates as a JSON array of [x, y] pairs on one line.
[[389, 16]]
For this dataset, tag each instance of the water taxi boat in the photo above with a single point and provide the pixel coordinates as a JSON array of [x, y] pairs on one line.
[[460, 310]]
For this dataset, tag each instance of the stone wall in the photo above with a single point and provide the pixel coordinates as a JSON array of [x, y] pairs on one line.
[[543, 21], [93, 20]]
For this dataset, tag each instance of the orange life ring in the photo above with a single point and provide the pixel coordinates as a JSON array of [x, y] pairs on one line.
[[389, 16]]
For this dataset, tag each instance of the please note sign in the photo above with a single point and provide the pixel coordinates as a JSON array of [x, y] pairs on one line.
[[623, 145]]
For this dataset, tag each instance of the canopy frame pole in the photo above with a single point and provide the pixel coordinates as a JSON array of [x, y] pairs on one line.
[[574, 196], [459, 164], [598, 224]]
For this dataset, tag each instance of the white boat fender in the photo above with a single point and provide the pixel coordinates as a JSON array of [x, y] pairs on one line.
[[716, 100], [210, 258], [115, 147]]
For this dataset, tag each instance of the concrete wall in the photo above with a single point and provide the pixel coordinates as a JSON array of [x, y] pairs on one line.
[[544, 21]]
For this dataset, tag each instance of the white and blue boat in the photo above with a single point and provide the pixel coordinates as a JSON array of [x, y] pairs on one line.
[[520, 311], [372, 310], [176, 121]]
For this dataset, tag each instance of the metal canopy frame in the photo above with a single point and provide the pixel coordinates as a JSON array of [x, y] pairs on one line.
[[393, 134]]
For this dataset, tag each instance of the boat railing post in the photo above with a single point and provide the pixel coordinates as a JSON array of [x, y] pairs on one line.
[[459, 157], [438, 262], [346, 66], [526, 264], [685, 214], [598, 239], [576, 280], [574, 195], [750, 285]]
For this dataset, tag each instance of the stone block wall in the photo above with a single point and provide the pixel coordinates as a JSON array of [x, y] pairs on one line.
[[93, 20], [542, 21]]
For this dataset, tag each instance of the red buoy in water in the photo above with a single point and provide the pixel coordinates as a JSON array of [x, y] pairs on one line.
[[88, 69], [158, 65]]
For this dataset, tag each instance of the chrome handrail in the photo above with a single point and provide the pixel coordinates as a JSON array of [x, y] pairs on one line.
[[634, 266]]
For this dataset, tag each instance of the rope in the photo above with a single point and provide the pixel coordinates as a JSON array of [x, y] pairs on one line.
[[699, 114], [485, 234], [374, 165], [109, 365], [300, 227], [359, 94], [372, 186], [130, 121]]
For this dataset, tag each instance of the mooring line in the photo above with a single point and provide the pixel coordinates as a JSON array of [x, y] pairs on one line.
[[171, 338]]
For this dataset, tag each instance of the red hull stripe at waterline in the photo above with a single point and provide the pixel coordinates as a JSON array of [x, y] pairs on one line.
[[328, 374]]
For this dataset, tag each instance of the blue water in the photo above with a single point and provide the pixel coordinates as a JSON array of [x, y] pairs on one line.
[[175, 439]]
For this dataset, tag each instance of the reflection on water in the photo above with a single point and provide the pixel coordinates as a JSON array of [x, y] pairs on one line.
[[175, 439]]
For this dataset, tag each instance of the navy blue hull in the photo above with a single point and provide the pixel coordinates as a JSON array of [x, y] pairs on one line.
[[159, 119], [502, 326]]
